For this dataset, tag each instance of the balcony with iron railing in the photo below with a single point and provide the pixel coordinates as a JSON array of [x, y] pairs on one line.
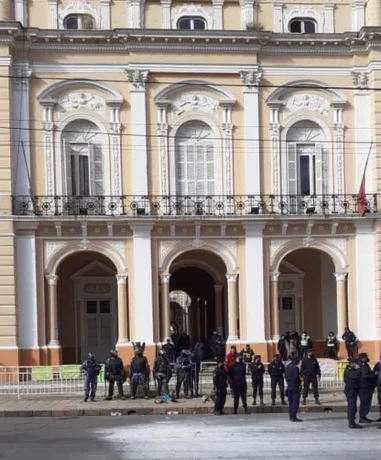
[[159, 206]]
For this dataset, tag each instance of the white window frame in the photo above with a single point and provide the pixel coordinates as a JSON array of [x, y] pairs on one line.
[[192, 19], [312, 167], [79, 17], [302, 25]]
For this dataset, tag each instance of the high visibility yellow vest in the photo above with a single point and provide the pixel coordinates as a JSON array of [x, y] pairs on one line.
[[304, 340]]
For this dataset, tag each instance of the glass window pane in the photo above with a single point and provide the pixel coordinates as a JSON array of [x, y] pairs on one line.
[[71, 22], [184, 24], [91, 307], [304, 175], [84, 180], [73, 175], [309, 27], [199, 24], [87, 22], [104, 306], [296, 27]]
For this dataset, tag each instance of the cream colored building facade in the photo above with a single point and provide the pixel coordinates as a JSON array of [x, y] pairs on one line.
[[187, 165]]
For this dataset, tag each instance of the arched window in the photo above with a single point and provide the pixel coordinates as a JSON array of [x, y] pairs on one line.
[[195, 159], [82, 146], [79, 22], [190, 23], [302, 26], [306, 162]]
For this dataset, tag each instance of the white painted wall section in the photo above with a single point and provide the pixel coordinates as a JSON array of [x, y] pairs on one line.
[[255, 302], [142, 279], [365, 284], [328, 295], [26, 275]]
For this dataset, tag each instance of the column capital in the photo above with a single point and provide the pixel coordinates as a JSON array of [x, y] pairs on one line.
[[21, 76], [340, 276], [137, 78], [121, 279], [52, 279], [142, 230], [218, 288], [250, 80], [231, 277], [164, 278], [274, 276], [360, 79]]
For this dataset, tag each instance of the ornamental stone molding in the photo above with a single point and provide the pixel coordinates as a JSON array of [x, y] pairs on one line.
[[274, 276], [189, 102], [52, 280], [231, 277], [78, 7], [310, 102], [97, 288], [360, 79], [21, 77], [340, 276], [51, 247], [251, 80], [77, 101], [192, 9], [304, 11], [137, 78], [121, 279], [165, 278]]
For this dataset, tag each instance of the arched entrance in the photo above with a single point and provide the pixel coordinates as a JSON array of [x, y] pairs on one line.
[[307, 298], [201, 274], [86, 306]]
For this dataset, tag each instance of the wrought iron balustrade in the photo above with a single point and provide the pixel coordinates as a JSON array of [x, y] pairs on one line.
[[190, 206]]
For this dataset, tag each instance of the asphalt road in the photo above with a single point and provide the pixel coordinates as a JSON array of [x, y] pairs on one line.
[[194, 437]]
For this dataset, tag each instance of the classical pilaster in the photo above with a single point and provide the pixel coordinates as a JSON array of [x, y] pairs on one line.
[[105, 14], [363, 131], [53, 311], [275, 148], [53, 14], [338, 147], [218, 14], [137, 79], [115, 144], [135, 14], [329, 18], [255, 302], [162, 131], [48, 135], [278, 18], [274, 295], [166, 14], [250, 81], [248, 14], [232, 307], [165, 306], [365, 281], [227, 142], [218, 290], [21, 127], [21, 12], [341, 302], [358, 15], [123, 320], [27, 304], [142, 283]]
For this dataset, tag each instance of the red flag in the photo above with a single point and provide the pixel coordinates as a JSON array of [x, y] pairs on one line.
[[361, 198], [361, 201]]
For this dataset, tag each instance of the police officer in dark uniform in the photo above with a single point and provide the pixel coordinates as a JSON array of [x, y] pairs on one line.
[[377, 372], [257, 370], [350, 341], [220, 384], [237, 377], [183, 368], [247, 354], [276, 373], [292, 375], [368, 383], [352, 380], [282, 348], [170, 350], [162, 372], [139, 370], [331, 346], [91, 369], [310, 372], [114, 372]]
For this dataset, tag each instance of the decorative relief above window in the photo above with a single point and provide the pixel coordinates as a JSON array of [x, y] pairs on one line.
[[310, 102], [79, 12], [192, 11], [77, 101], [194, 102], [306, 18]]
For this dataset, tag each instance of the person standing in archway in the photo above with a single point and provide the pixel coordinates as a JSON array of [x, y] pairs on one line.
[[350, 341]]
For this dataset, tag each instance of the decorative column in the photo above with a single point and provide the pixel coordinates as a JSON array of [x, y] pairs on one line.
[[53, 311], [250, 81], [232, 307], [278, 18], [115, 142], [329, 20], [255, 301], [105, 15], [166, 14], [162, 131], [135, 14], [137, 79], [341, 296], [218, 288], [358, 15], [248, 16], [227, 143], [218, 16], [338, 146], [275, 148], [123, 324], [47, 128], [21, 75], [274, 279], [142, 283], [165, 306], [363, 131], [21, 12], [53, 14]]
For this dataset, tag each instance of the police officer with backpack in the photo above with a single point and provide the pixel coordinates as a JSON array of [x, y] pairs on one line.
[[91, 369]]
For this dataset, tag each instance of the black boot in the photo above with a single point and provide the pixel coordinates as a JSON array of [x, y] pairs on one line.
[[273, 402], [295, 419], [109, 398], [365, 420], [317, 401], [304, 402], [284, 402], [254, 402], [262, 402], [354, 426], [85, 399]]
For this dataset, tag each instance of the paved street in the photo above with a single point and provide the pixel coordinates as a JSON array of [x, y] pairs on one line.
[[202, 437]]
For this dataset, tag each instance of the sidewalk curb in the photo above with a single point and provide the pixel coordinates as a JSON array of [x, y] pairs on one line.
[[164, 411]]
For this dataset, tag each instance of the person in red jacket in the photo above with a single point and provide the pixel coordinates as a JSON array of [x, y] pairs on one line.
[[229, 360]]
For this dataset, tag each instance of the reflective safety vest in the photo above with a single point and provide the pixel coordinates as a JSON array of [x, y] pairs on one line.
[[331, 342], [304, 340]]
